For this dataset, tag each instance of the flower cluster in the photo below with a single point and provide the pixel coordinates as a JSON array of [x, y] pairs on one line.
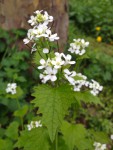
[[56, 66], [34, 124], [95, 86], [40, 28], [78, 84], [11, 88], [78, 47], [52, 66], [99, 146]]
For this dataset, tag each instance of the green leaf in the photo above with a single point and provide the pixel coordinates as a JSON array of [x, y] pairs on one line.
[[87, 97], [2, 130], [36, 139], [75, 136], [21, 112], [12, 131], [53, 103], [99, 136], [61, 144], [6, 144]]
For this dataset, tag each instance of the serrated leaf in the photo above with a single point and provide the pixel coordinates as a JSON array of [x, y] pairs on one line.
[[36, 139], [12, 131], [100, 136], [6, 144], [53, 103], [87, 97], [75, 136]]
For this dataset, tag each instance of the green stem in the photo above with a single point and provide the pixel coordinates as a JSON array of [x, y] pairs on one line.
[[77, 66], [4, 57], [56, 141], [21, 118]]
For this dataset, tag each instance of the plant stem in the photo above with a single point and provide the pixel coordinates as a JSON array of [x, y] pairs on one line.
[[56, 141], [5, 53], [21, 119]]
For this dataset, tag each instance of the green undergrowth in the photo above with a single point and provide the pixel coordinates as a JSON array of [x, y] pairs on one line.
[[98, 66]]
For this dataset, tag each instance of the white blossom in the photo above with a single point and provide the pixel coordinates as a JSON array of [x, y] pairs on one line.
[[95, 86], [30, 36], [11, 88], [68, 59], [45, 50], [112, 137], [99, 146], [78, 85], [44, 63], [57, 62], [38, 32], [40, 18], [34, 124], [53, 37], [70, 76], [78, 47], [41, 31], [49, 74]]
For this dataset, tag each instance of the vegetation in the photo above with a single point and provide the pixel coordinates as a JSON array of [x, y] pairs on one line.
[[38, 109]]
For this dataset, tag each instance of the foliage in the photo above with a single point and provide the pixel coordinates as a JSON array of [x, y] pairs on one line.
[[55, 112], [38, 139], [13, 68], [98, 65], [94, 17]]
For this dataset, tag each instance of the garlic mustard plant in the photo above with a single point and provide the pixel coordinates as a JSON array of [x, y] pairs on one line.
[[60, 86]]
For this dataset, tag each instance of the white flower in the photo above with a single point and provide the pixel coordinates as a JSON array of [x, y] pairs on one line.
[[11, 88], [46, 50], [69, 76], [78, 85], [112, 137], [53, 37], [38, 124], [30, 35], [70, 73], [32, 20], [26, 41], [42, 77], [78, 47], [36, 33], [96, 88], [40, 18], [49, 74], [40, 31], [57, 62], [34, 124], [44, 63], [68, 59], [99, 146]]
